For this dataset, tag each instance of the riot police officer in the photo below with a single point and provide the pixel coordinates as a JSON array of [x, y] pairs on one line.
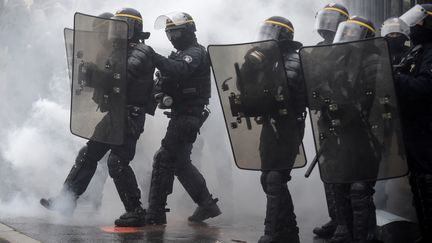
[[414, 85], [397, 34], [183, 86], [139, 102], [355, 209], [278, 143], [328, 19], [326, 23]]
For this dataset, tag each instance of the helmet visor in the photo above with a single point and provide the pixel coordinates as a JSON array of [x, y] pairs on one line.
[[414, 15], [350, 31], [395, 25], [329, 19], [269, 32], [171, 20]]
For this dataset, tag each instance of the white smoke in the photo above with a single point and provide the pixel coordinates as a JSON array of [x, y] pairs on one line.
[[37, 149]]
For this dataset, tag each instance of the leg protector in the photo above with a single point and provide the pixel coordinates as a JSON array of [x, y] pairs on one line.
[[327, 230], [421, 186], [81, 173], [330, 198], [160, 187], [343, 213], [125, 182], [193, 182], [363, 210], [280, 219]]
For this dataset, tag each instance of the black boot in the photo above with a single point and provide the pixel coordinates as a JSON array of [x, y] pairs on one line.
[[134, 218], [65, 203], [207, 210], [156, 216], [325, 231], [341, 235]]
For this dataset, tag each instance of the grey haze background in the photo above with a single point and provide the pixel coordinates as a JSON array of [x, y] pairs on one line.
[[36, 147]]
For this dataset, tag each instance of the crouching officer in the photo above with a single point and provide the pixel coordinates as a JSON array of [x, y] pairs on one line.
[[184, 86], [139, 101]]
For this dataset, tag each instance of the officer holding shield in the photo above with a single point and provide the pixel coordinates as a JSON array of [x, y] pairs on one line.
[[281, 135], [326, 24], [138, 102]]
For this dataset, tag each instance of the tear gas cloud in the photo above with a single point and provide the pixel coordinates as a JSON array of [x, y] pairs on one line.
[[37, 149]]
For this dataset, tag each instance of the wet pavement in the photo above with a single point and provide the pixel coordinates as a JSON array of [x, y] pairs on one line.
[[242, 229]]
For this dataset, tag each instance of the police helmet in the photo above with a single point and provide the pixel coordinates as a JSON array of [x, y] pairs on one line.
[[395, 26], [176, 24], [328, 18], [356, 28], [133, 19], [276, 28], [418, 13]]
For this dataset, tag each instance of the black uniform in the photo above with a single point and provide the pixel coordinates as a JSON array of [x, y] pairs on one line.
[[139, 102], [327, 21], [355, 209], [279, 144], [414, 86], [327, 229], [186, 78]]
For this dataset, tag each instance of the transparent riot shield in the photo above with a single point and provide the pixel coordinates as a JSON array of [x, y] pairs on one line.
[[354, 111], [256, 97], [99, 79], [68, 36]]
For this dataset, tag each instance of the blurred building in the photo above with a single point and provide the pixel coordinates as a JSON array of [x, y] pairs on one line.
[[379, 10]]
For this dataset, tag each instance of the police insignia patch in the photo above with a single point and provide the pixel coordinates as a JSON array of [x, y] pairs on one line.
[[187, 59]]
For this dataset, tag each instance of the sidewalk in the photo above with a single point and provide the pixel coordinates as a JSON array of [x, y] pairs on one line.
[[9, 235]]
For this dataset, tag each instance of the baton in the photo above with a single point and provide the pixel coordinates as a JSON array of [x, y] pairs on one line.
[[315, 160]]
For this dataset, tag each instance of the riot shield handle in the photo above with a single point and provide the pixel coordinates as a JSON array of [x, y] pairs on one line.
[[315, 160], [225, 85]]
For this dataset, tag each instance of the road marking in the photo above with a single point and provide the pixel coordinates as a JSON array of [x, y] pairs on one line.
[[123, 230]]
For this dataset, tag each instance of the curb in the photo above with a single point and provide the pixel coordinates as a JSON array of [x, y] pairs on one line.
[[8, 234]]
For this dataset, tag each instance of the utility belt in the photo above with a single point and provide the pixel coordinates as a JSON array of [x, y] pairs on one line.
[[169, 91], [200, 112]]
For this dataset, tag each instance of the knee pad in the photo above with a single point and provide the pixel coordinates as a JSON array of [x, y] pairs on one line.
[[162, 158], [362, 188], [82, 160], [274, 182], [82, 165], [115, 165], [361, 195], [81, 157]]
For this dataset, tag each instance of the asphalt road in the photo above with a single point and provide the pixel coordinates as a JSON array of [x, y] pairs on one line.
[[238, 229]]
